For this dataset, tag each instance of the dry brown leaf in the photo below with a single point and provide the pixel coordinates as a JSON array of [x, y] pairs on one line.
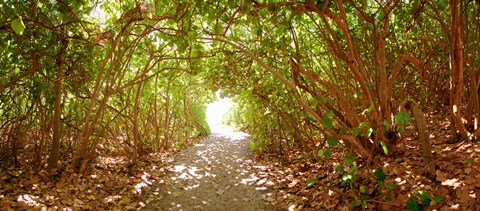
[[440, 176], [463, 195]]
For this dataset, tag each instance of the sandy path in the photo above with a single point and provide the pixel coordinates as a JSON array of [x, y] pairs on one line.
[[212, 175]]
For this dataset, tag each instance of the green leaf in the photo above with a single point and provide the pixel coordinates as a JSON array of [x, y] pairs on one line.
[[354, 170], [443, 4], [412, 205], [355, 131], [380, 174], [363, 189], [321, 152], [327, 123], [355, 203], [191, 36], [400, 128], [339, 168], [303, 156], [387, 125], [437, 198], [312, 182], [402, 119], [388, 198], [158, 9], [300, 157], [362, 124], [369, 132], [381, 184], [265, 43], [259, 32], [181, 48], [469, 161], [369, 109], [349, 160], [425, 197], [50, 99], [390, 186], [332, 141], [329, 114], [3, 46], [384, 147], [18, 26], [328, 153], [347, 178]]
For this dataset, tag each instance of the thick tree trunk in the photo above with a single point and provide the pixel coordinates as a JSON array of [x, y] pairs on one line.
[[136, 132], [456, 66], [57, 133], [383, 88], [475, 104]]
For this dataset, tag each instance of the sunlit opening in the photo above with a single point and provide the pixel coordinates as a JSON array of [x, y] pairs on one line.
[[215, 113]]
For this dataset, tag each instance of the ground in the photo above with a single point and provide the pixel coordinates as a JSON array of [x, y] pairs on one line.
[[221, 173], [213, 175], [310, 182], [216, 173]]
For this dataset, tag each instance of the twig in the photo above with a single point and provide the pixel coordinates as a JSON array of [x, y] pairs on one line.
[[384, 202]]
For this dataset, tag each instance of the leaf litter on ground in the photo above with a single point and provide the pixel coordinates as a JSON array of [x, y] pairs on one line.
[[391, 182], [301, 181]]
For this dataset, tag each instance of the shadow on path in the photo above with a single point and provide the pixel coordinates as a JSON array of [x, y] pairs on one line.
[[212, 175]]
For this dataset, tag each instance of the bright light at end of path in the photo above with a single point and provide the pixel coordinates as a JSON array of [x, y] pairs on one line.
[[215, 113]]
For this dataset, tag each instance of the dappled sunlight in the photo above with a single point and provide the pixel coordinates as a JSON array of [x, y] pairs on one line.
[[232, 135], [110, 183], [28, 200], [107, 161], [351, 105], [214, 174]]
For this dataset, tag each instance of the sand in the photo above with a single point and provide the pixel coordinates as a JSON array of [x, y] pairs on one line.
[[212, 175]]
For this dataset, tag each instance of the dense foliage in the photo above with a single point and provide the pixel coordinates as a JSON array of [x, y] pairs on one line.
[[345, 70], [116, 77], [79, 79]]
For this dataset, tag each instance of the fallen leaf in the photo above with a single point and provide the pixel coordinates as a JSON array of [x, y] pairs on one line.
[[123, 200], [440, 176]]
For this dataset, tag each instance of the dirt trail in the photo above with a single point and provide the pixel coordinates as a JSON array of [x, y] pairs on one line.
[[212, 175]]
